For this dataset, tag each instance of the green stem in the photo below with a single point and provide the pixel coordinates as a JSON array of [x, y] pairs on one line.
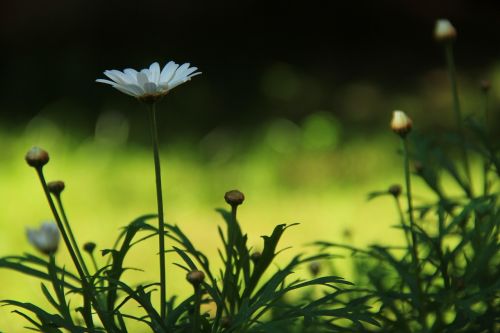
[[159, 200], [86, 288], [456, 109], [486, 162], [414, 245], [71, 235], [403, 222], [196, 314], [228, 267]]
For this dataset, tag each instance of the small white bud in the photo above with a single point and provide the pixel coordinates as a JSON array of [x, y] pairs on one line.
[[444, 31], [46, 238], [401, 124]]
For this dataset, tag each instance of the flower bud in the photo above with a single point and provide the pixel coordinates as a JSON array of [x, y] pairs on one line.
[[444, 31], [56, 187], [485, 85], [45, 239], [401, 124], [234, 198], [225, 322], [89, 247], [255, 256], [419, 167], [195, 277], [395, 190], [347, 233], [37, 157], [314, 268]]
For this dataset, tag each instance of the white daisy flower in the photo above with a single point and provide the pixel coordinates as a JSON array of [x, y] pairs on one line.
[[46, 238], [150, 84]]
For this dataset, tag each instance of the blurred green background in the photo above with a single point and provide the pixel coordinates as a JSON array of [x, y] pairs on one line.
[[292, 108]]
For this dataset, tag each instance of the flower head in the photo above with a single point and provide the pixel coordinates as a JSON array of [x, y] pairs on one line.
[[56, 187], [150, 84], [401, 124], [37, 157], [444, 31], [46, 238], [195, 277], [234, 197]]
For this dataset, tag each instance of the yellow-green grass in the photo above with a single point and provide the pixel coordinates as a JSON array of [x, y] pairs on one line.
[[109, 185]]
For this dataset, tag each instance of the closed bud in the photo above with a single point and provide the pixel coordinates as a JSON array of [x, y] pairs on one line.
[[401, 124], [195, 277], [444, 31], [225, 322], [419, 167], [255, 256], [89, 247], [485, 85], [395, 190], [56, 187], [37, 157], [45, 239], [314, 268], [234, 198]]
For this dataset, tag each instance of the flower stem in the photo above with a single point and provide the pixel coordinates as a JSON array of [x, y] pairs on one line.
[[486, 162], [88, 295], [196, 314], [450, 62], [70, 234], [403, 222], [159, 199], [414, 242]]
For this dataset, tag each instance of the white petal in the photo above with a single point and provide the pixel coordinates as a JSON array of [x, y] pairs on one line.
[[167, 72], [142, 78], [148, 74], [106, 81], [176, 82], [179, 73], [151, 88], [126, 91], [155, 72], [116, 76]]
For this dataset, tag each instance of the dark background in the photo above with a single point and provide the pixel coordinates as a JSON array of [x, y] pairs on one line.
[[259, 59]]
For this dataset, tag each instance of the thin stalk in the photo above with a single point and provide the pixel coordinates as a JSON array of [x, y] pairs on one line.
[[70, 234], [486, 162], [58, 289], [403, 221], [88, 295], [159, 200], [414, 245], [228, 267], [196, 314], [443, 265], [450, 62]]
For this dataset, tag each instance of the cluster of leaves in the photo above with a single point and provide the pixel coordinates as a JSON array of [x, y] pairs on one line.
[[248, 295], [454, 285]]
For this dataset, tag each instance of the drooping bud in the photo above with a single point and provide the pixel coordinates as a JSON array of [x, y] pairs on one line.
[[45, 239], [89, 247], [195, 277], [314, 268], [401, 124], [395, 190], [37, 157], [234, 198], [444, 31], [56, 187], [255, 256]]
